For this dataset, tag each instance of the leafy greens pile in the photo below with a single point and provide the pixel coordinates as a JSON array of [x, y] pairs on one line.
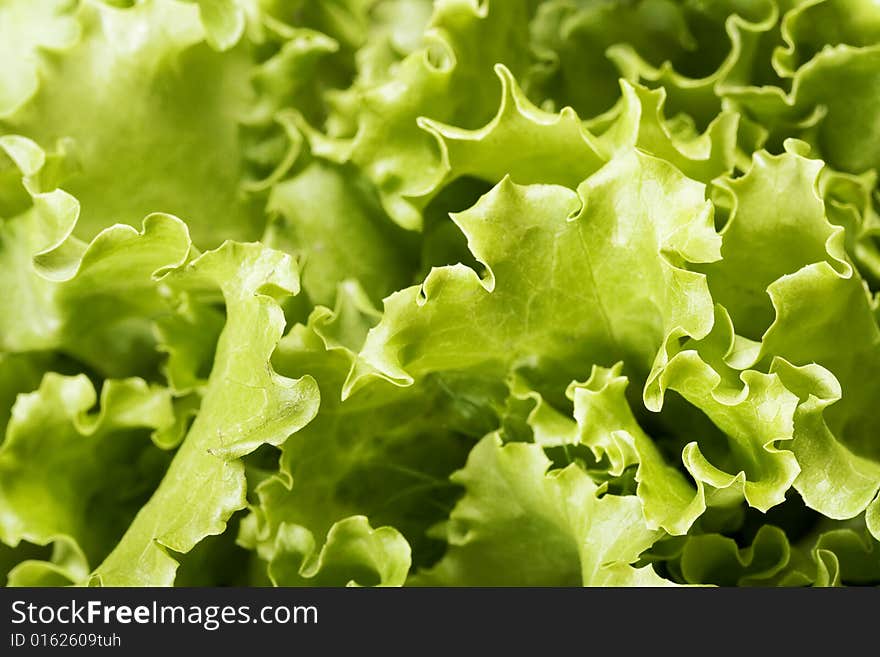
[[471, 292]]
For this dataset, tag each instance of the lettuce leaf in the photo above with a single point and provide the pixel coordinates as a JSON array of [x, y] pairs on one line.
[[245, 405], [451, 292], [520, 525]]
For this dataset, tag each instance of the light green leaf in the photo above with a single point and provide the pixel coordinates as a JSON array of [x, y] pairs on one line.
[[385, 452], [355, 554], [640, 121], [331, 216], [607, 426], [754, 410], [571, 40], [67, 566], [715, 559], [781, 263], [872, 518], [94, 301], [763, 242], [245, 405], [833, 479], [449, 80], [520, 525], [224, 21], [846, 556], [818, 107], [20, 373], [182, 101], [521, 141], [26, 28], [572, 280], [731, 46], [71, 475], [32, 221]]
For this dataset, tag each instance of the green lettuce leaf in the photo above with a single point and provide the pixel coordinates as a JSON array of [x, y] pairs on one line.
[[716, 559], [589, 292], [77, 476], [846, 556], [606, 424], [555, 296], [384, 453], [522, 525], [571, 40], [449, 79], [64, 295], [245, 405], [354, 555], [332, 217], [185, 102], [770, 305]]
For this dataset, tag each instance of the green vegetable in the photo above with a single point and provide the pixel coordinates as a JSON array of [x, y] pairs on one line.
[[462, 293]]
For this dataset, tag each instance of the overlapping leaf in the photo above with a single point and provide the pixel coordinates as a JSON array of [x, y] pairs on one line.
[[520, 525], [572, 279], [245, 405]]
